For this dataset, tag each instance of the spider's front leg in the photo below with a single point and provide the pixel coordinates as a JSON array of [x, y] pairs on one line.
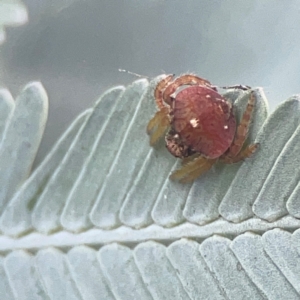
[[235, 152], [159, 124], [193, 169], [237, 86]]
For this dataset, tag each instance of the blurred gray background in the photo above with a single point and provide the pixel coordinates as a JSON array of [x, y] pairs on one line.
[[75, 47]]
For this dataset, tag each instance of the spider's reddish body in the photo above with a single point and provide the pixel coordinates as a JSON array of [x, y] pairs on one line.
[[199, 124], [204, 120]]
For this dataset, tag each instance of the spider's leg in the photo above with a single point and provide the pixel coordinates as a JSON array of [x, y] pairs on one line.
[[245, 153], [197, 173], [158, 93], [157, 119], [242, 131], [188, 159], [180, 81], [238, 86], [192, 170], [158, 125]]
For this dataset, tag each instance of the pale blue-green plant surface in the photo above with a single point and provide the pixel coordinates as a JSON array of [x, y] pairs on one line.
[[99, 218]]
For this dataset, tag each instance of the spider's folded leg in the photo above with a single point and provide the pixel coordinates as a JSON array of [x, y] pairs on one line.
[[193, 169], [242, 130], [158, 125], [189, 159], [245, 153], [235, 152]]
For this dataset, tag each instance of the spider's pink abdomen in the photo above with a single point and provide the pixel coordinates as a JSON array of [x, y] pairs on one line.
[[204, 120]]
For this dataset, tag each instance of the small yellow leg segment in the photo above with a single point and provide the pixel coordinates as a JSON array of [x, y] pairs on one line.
[[158, 125], [242, 130], [157, 119], [247, 152], [189, 159], [192, 170]]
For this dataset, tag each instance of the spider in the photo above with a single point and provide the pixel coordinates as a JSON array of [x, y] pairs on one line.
[[199, 125]]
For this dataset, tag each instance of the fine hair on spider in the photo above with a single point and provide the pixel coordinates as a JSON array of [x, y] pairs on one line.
[[132, 73]]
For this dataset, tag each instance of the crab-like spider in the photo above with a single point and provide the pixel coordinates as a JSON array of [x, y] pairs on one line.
[[199, 125]]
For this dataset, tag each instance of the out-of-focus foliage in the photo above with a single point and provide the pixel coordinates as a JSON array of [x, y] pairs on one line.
[[12, 13]]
